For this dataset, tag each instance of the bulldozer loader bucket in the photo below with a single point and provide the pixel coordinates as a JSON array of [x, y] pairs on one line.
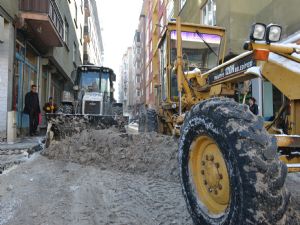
[[65, 125]]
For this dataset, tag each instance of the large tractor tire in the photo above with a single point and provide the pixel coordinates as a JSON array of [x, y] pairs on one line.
[[148, 120], [229, 169]]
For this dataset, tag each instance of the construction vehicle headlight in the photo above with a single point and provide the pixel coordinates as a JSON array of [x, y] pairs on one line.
[[258, 32], [273, 33]]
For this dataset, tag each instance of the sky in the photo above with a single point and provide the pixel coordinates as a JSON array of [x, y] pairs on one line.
[[118, 20]]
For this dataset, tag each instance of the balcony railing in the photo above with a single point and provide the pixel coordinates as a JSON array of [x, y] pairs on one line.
[[48, 7]]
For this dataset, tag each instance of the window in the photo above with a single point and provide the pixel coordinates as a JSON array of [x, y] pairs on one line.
[[138, 37], [200, 49], [151, 87], [209, 13], [150, 26], [147, 74], [105, 83], [81, 34], [138, 93], [138, 79], [74, 52], [150, 47], [1, 29], [170, 9], [163, 69], [75, 19], [182, 2], [66, 34], [161, 24]]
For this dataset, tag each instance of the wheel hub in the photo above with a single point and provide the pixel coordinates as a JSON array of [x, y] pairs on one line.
[[209, 175]]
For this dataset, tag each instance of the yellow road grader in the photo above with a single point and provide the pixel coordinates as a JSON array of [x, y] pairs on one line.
[[233, 164]]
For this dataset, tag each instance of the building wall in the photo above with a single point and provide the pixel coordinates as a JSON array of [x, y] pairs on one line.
[[284, 13], [142, 29], [137, 61], [11, 7], [124, 71], [52, 66], [238, 16], [93, 46], [62, 57], [6, 72]]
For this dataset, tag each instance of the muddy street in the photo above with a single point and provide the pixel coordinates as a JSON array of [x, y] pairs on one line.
[[45, 191], [112, 179], [101, 177]]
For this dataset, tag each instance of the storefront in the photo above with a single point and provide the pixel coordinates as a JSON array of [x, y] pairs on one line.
[[27, 63]]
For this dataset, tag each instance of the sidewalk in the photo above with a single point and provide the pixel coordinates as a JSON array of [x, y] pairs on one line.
[[18, 152]]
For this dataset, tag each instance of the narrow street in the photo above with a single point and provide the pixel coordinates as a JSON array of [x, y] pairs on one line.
[[149, 112], [44, 191], [119, 185]]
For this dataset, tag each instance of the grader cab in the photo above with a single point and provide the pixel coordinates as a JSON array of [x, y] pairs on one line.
[[233, 164]]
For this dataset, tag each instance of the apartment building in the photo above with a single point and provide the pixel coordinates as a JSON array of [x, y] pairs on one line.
[[93, 44], [127, 86], [142, 31], [137, 68], [41, 43], [156, 19], [134, 77]]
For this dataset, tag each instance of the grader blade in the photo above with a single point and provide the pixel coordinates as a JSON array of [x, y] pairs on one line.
[[289, 146], [65, 125]]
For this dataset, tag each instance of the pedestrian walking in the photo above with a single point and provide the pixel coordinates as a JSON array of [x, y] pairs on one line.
[[50, 107], [253, 106], [32, 108]]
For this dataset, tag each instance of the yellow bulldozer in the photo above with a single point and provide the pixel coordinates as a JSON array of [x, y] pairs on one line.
[[233, 164]]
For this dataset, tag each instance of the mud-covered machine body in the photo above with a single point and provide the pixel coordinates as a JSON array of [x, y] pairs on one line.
[[232, 163], [90, 104]]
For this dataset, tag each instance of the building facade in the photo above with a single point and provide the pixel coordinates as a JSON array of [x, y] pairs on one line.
[[42, 45], [142, 31], [93, 45], [127, 84], [137, 69]]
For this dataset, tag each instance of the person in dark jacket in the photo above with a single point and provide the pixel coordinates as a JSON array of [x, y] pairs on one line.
[[32, 108], [252, 106], [50, 107]]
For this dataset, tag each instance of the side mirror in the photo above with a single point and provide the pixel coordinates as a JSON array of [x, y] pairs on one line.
[[76, 88]]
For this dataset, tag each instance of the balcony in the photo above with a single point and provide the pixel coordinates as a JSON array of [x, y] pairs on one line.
[[44, 22]]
